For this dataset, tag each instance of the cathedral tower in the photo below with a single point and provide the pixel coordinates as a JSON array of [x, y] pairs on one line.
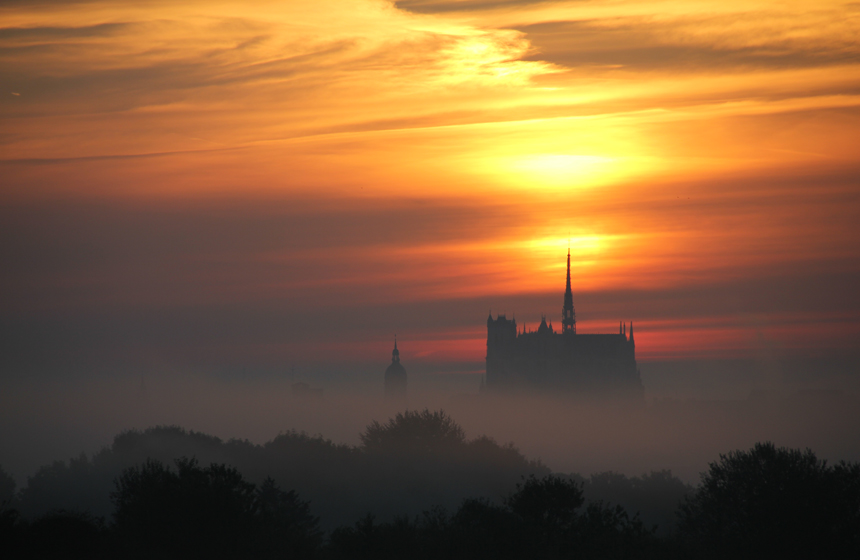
[[395, 376], [568, 315]]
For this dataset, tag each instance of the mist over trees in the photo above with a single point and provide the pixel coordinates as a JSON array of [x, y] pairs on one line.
[[416, 487], [7, 489], [415, 461], [653, 496]]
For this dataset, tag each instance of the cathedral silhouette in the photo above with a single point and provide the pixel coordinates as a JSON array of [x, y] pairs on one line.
[[395, 376], [545, 360]]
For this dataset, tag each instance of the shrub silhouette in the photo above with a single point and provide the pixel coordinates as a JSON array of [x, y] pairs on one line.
[[775, 502]]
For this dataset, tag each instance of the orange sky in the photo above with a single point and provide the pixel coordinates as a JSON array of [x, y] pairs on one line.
[[297, 179]]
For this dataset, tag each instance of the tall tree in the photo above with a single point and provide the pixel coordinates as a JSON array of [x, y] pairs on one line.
[[775, 502]]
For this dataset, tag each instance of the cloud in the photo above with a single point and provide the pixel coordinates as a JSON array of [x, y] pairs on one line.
[[694, 44], [443, 6], [256, 281], [183, 81], [21, 36], [206, 181]]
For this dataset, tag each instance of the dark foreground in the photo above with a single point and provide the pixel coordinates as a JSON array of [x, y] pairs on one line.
[[765, 502]]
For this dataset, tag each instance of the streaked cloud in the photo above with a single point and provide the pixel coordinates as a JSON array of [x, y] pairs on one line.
[[227, 169], [442, 6]]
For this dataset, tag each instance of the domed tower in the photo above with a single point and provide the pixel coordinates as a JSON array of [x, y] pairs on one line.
[[395, 376]]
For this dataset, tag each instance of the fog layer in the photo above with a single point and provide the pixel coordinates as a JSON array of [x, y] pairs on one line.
[[691, 414]]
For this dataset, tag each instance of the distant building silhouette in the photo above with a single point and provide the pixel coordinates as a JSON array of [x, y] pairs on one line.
[[591, 364], [303, 390], [395, 376]]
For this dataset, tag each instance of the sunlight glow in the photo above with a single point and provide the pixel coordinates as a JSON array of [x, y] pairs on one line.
[[448, 153], [561, 171]]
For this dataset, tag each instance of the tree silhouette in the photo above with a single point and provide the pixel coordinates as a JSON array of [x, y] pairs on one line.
[[415, 432], [604, 531], [9, 517], [423, 459], [284, 526], [481, 529], [554, 526], [70, 485], [775, 502], [541, 519], [7, 489], [547, 508], [342, 482], [208, 512], [66, 534], [655, 496], [550, 502]]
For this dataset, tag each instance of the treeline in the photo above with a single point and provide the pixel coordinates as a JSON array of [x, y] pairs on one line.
[[459, 498], [415, 461], [411, 463]]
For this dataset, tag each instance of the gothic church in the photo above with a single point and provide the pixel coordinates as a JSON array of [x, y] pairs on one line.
[[545, 360]]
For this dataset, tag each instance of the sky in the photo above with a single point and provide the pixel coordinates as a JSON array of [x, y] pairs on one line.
[[244, 190]]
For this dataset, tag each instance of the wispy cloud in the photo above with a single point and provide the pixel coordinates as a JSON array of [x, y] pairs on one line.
[[693, 45], [225, 159], [442, 6]]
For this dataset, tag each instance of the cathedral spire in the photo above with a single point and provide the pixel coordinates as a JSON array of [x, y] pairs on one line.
[[568, 315], [395, 354]]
